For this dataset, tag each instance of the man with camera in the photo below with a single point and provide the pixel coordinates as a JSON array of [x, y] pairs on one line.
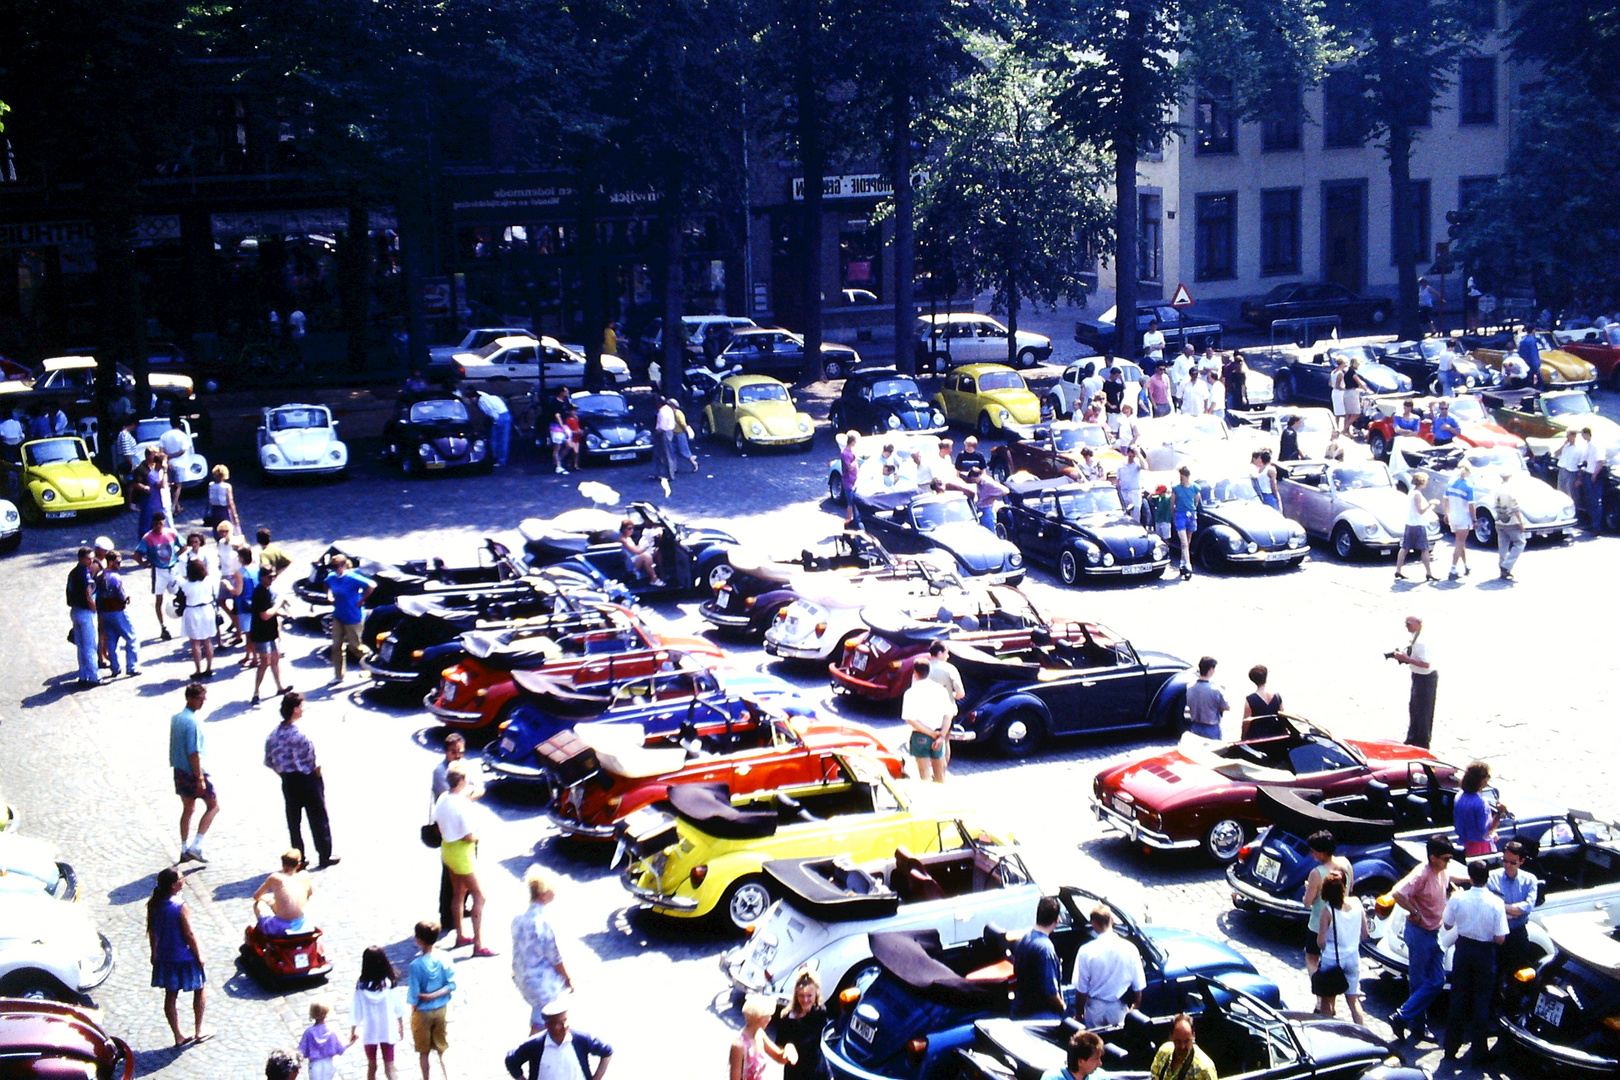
[[1420, 722]]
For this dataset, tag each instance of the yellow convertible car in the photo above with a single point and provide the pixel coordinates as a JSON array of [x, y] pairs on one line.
[[55, 478], [1559, 369], [755, 410], [989, 397], [706, 860]]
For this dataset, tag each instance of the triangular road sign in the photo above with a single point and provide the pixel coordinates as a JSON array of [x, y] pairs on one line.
[[1183, 298]]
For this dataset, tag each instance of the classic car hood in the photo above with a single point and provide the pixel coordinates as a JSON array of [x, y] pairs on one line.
[[1480, 433], [35, 916], [1023, 404], [1257, 521], [1169, 779], [1381, 379], [436, 429], [1568, 365], [1125, 539], [1193, 952], [617, 433], [977, 548], [78, 481], [779, 417], [1385, 504], [1333, 1042], [1541, 502], [26, 864], [303, 445]]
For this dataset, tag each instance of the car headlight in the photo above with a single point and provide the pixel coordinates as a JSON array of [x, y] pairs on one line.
[[643, 438], [804, 424], [1252, 547], [939, 417], [1296, 540], [11, 515], [893, 422], [1369, 531], [593, 440], [1004, 414], [1108, 558], [1093, 556], [1016, 559], [48, 495], [755, 428], [112, 487], [479, 446], [1160, 549], [424, 450], [1472, 380], [1234, 543]]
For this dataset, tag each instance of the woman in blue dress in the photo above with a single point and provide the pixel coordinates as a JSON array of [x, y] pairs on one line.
[[176, 960]]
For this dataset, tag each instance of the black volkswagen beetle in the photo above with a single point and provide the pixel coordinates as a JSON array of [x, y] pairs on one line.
[[880, 400], [1081, 528], [611, 433], [437, 430], [1565, 1014], [1236, 528]]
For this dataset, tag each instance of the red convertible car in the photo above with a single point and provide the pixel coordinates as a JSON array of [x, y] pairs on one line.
[[603, 772], [1600, 348], [1478, 427], [476, 694], [1202, 794]]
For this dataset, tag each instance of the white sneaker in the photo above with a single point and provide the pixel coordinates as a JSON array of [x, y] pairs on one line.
[[560, 470]]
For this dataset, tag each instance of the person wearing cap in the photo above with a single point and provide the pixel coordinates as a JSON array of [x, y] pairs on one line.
[[560, 1052]]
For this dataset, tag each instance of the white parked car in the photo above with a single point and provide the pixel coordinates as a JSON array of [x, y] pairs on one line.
[[49, 948], [966, 337], [828, 611], [10, 526], [29, 865], [830, 907], [522, 359], [300, 440], [1547, 511], [193, 466], [442, 358]]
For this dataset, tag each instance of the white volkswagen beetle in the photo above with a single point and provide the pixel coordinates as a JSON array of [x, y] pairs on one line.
[[193, 467], [10, 526], [300, 440]]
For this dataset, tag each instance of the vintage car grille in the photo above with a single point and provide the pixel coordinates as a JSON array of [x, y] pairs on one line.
[[453, 446]]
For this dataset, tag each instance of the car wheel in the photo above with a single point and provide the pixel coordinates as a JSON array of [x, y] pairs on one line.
[[832, 369], [1485, 529], [34, 985], [999, 469], [1068, 568], [11, 542], [1611, 518], [1210, 553], [1378, 445], [745, 903], [1282, 389], [1224, 839], [738, 443], [1437, 386], [719, 574], [410, 464], [1026, 358], [1001, 531], [835, 488], [987, 429], [1345, 544], [835, 417], [1055, 403], [1018, 735]]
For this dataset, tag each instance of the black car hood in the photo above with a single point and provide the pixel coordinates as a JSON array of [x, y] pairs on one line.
[[441, 429], [1257, 521], [1125, 540], [614, 433]]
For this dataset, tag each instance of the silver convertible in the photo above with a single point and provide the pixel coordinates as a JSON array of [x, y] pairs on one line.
[[1354, 506]]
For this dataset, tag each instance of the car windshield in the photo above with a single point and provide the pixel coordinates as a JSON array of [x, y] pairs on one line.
[[1229, 489], [601, 405], [761, 392], [1494, 460], [426, 412], [1210, 426], [1433, 349], [895, 388], [1000, 380], [1367, 354], [489, 350], [1351, 477], [933, 513], [150, 430], [1077, 504], [51, 451], [1567, 404], [1467, 408], [286, 419], [1281, 292], [1073, 438]]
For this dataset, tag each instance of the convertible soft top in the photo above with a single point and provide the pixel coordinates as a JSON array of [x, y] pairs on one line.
[[707, 807], [1297, 816], [914, 958], [832, 890]]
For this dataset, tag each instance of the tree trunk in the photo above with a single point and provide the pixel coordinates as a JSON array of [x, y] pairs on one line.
[[1399, 150], [1127, 271], [590, 276], [1012, 320], [673, 359], [813, 156], [118, 309], [905, 235], [414, 228], [354, 255]]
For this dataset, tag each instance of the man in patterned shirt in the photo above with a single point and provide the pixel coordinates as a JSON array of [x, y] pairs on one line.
[[537, 966], [290, 755]]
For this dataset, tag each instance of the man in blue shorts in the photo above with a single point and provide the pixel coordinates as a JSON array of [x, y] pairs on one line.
[[1185, 497]]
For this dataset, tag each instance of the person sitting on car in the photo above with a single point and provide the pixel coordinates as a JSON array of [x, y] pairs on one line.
[[638, 558], [1445, 426], [285, 894], [1409, 422]]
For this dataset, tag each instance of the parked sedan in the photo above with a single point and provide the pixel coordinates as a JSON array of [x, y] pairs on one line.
[[880, 400], [1091, 683], [1598, 347], [299, 440], [1235, 528], [1082, 529], [40, 1039], [56, 479], [967, 337], [1308, 300], [436, 431], [1202, 796], [753, 412], [29, 865], [1178, 325], [611, 433], [1355, 507], [990, 398], [442, 358], [523, 359], [761, 351]]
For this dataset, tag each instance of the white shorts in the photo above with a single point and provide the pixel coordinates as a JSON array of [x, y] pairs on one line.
[[164, 581], [1340, 407]]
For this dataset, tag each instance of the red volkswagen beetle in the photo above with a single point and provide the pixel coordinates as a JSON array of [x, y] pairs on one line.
[[1202, 794], [49, 1039]]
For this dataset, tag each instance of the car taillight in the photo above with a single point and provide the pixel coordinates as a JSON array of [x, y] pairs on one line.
[[916, 1049], [698, 874], [1525, 975], [821, 628], [748, 601], [1611, 1024], [847, 998], [1243, 852], [382, 637]]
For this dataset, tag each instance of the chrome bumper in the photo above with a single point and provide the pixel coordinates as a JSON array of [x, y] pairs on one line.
[[1300, 554], [570, 827], [382, 674], [793, 652], [449, 714], [1250, 898], [1563, 1055], [720, 618], [670, 905], [100, 974], [1134, 829]]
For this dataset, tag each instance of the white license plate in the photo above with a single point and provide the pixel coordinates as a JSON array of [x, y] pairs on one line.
[[1278, 556], [507, 745], [435, 464], [447, 692], [1267, 868], [1140, 568], [57, 515], [621, 457], [1550, 1009], [863, 1031], [857, 663], [723, 601], [387, 653], [301, 960]]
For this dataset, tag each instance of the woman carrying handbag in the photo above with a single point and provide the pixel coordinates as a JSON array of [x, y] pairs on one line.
[[1343, 926]]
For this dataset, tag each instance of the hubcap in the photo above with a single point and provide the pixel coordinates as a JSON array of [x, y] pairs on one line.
[[749, 904], [719, 575], [1017, 731], [1225, 837], [1066, 567]]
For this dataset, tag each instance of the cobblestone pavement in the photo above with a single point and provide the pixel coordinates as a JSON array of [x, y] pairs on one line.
[[1523, 684]]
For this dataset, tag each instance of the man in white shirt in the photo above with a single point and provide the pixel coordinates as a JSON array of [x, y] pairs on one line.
[[11, 431], [1425, 680], [1092, 384], [1569, 464], [1480, 920], [1181, 376], [560, 1052], [1591, 481], [1196, 400], [176, 445], [1108, 976], [1153, 343], [928, 709]]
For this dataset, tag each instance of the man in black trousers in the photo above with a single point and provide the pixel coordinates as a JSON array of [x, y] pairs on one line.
[[290, 755]]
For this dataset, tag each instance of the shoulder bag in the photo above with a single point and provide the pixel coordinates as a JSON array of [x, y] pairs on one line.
[[1331, 981]]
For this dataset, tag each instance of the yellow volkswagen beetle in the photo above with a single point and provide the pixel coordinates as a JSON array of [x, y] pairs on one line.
[[1559, 369], [706, 860], [989, 397], [55, 479], [755, 410]]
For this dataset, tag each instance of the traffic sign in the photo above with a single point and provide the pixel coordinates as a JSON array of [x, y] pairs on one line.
[[1182, 298]]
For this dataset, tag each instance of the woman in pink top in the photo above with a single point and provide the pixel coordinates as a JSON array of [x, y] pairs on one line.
[[752, 1046]]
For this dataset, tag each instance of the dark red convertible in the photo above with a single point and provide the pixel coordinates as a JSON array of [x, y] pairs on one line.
[[1202, 794]]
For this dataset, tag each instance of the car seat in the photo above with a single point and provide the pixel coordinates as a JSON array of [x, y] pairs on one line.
[[790, 809]]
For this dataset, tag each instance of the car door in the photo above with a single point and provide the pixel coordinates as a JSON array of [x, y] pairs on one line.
[[1047, 530], [1305, 502], [992, 343], [725, 412], [951, 391], [1101, 697], [1311, 379], [562, 368]]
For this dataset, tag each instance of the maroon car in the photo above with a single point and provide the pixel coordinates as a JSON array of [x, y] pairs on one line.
[[1600, 348], [49, 1039]]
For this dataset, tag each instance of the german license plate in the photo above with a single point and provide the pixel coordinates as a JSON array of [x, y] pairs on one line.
[[1138, 568], [1278, 556], [447, 692], [857, 663], [301, 960], [506, 746], [435, 464], [57, 515], [863, 1031], [1267, 868], [723, 601], [621, 457], [1550, 1009]]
